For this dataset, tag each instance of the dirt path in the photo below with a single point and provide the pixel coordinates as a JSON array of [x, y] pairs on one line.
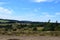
[[29, 38]]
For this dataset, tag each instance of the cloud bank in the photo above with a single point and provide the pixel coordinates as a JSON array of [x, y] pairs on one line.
[[5, 10], [40, 1]]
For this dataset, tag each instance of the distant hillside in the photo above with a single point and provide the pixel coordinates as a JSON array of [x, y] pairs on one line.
[[14, 21]]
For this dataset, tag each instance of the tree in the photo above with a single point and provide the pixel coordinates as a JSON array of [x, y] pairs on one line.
[[56, 24], [47, 26]]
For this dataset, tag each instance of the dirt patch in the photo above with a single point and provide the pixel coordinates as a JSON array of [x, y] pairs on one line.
[[28, 38]]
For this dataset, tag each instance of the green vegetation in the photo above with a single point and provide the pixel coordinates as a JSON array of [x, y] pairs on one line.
[[14, 27]]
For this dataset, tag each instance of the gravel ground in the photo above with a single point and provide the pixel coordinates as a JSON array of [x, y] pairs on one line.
[[29, 38]]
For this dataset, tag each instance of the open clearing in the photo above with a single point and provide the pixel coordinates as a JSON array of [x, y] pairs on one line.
[[29, 38]]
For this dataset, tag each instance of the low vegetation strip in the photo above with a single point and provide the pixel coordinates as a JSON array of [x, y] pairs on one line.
[[14, 27], [35, 33]]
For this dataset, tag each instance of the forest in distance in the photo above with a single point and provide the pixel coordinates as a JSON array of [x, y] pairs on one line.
[[15, 27]]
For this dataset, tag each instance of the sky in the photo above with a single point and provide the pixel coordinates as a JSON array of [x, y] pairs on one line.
[[30, 10]]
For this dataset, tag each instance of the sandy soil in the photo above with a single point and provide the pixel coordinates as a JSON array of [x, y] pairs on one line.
[[29, 37]]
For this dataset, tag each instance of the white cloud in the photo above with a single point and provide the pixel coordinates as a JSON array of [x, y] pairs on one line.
[[6, 13], [45, 16], [58, 13], [38, 1], [5, 10]]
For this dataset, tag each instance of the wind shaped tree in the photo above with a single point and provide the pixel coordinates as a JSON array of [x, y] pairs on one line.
[[47, 26]]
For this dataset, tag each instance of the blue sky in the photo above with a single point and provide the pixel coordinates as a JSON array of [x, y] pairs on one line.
[[31, 10]]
